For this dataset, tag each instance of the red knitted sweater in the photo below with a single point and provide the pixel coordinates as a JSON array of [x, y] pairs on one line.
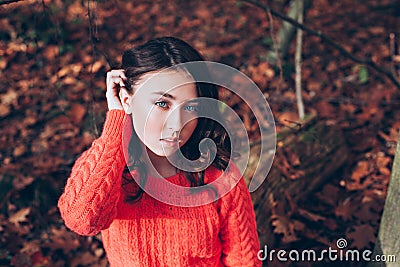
[[149, 232]]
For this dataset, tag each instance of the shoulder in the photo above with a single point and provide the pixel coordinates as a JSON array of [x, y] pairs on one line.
[[227, 182], [231, 172]]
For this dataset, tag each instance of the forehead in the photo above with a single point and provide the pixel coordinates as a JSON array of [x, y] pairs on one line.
[[178, 83]]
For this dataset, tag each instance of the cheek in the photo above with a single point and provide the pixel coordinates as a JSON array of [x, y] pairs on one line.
[[189, 128], [147, 123], [154, 124]]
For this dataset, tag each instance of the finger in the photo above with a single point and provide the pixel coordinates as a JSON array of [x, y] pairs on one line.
[[122, 74], [115, 80], [119, 72]]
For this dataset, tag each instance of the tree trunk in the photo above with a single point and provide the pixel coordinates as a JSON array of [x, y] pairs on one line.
[[286, 32], [388, 242], [304, 160]]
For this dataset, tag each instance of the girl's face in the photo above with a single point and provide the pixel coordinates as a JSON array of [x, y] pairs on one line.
[[164, 111]]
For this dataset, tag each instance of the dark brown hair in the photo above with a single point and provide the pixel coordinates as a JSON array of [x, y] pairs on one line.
[[158, 54]]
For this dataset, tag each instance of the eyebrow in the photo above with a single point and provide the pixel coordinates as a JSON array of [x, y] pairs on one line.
[[165, 95]]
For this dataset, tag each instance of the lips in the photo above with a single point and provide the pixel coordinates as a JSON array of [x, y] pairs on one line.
[[171, 141]]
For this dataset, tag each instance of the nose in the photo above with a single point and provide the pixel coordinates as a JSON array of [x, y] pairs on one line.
[[174, 120]]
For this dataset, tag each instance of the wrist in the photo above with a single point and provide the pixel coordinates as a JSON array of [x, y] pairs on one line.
[[113, 123], [113, 104]]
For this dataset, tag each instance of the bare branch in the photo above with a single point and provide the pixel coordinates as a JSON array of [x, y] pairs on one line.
[[329, 41], [6, 2], [299, 45]]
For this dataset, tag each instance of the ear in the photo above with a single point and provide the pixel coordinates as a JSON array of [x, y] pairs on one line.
[[126, 100]]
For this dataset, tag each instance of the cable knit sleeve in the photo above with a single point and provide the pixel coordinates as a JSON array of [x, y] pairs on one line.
[[239, 231], [88, 204]]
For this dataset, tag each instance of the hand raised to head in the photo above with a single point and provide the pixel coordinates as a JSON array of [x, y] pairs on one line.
[[114, 81]]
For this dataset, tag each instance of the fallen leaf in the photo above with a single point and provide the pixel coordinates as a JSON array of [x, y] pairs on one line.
[[20, 216], [19, 150], [329, 194], [4, 110], [345, 209], [382, 162], [22, 181], [62, 239], [76, 113], [9, 98], [96, 66], [362, 236], [3, 63], [362, 169], [85, 259], [285, 227]]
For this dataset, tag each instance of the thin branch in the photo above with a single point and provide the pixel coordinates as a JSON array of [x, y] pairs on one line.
[[274, 43], [6, 2], [299, 45], [92, 38], [329, 41]]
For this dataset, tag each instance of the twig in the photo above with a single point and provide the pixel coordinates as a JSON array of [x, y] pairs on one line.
[[92, 35], [392, 52], [6, 2], [274, 43], [299, 45], [329, 41]]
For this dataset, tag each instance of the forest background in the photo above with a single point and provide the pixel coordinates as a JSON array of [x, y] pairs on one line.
[[53, 60]]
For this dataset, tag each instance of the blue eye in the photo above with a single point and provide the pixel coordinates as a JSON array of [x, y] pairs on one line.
[[162, 104], [191, 108]]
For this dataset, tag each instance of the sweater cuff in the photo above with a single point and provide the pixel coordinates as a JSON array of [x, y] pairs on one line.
[[113, 123]]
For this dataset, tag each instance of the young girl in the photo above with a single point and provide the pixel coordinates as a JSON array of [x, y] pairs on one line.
[[153, 115]]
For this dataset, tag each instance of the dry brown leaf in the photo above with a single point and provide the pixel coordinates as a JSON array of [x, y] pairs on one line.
[[77, 9], [329, 194], [313, 85], [382, 162], [4, 110], [284, 226], [69, 80], [20, 216], [62, 239], [85, 259], [366, 214], [51, 52], [345, 209], [376, 30], [3, 63], [22, 181], [76, 113], [362, 236], [96, 66], [19, 150], [362, 169], [9, 98]]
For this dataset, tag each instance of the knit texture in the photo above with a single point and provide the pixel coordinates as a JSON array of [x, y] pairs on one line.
[[150, 232]]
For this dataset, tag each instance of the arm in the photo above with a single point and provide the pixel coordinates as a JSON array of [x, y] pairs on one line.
[[238, 230], [88, 204]]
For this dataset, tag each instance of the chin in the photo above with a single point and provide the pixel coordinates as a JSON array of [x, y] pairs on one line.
[[163, 153]]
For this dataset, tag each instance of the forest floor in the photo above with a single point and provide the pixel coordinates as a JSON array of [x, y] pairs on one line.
[[53, 60]]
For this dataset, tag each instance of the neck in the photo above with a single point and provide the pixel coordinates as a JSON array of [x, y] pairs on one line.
[[161, 166]]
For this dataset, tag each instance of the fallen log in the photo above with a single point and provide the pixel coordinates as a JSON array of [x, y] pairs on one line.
[[305, 159]]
